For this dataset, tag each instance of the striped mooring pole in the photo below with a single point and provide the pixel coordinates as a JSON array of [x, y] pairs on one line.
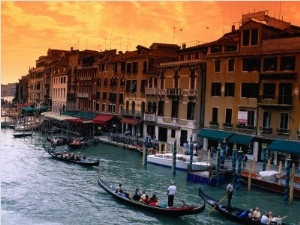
[[174, 158], [287, 181]]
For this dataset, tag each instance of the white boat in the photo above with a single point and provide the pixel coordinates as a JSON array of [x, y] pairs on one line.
[[182, 161]]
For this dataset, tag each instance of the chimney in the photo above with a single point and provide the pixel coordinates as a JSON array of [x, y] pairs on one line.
[[71, 49], [232, 28], [183, 45], [120, 52]]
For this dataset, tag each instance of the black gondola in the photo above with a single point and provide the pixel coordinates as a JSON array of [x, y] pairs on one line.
[[172, 211], [233, 213], [20, 135], [79, 161]]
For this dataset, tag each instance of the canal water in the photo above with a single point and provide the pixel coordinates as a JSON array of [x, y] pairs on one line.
[[38, 190]]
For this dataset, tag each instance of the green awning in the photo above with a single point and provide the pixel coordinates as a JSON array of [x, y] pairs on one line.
[[285, 146], [241, 139], [69, 113], [217, 135], [85, 115], [29, 109]]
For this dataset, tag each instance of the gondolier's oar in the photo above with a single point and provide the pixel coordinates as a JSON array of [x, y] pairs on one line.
[[218, 203]]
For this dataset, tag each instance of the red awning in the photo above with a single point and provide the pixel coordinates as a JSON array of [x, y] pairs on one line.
[[76, 120], [102, 118], [130, 121]]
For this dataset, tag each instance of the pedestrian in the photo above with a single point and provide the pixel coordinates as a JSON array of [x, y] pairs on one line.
[[229, 190], [245, 159], [212, 151], [171, 193]]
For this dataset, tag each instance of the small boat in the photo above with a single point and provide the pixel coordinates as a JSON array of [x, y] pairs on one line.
[[182, 161], [20, 135], [174, 211], [60, 140], [63, 156], [271, 181], [233, 213], [76, 144]]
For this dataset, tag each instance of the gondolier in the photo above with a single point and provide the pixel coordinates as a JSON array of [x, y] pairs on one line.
[[229, 190], [171, 193]]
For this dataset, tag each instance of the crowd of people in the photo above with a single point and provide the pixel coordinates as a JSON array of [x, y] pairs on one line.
[[267, 218]]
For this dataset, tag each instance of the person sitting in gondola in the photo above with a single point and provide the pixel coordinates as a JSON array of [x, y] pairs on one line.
[[144, 199], [153, 201], [250, 214], [136, 195], [256, 214], [119, 189]]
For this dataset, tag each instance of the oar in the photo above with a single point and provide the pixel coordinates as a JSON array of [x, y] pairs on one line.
[[182, 201], [218, 203]]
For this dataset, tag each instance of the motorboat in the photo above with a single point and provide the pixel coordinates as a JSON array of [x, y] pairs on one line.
[[182, 161]]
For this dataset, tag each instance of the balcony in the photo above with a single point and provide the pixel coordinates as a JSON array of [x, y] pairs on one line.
[[266, 130], [127, 112], [151, 91], [161, 92], [214, 124], [83, 95], [245, 128], [190, 92], [150, 117], [228, 126], [174, 93], [275, 101], [283, 131]]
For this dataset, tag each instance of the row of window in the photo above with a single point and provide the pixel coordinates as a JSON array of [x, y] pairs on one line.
[[250, 122], [251, 90], [128, 67], [287, 63]]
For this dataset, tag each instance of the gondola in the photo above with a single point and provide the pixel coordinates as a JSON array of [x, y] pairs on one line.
[[79, 160], [20, 135], [174, 211], [59, 140], [233, 213]]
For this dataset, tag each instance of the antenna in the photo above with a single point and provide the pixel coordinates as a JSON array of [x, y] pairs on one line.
[[279, 9]]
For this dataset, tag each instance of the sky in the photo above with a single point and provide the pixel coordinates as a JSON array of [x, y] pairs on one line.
[[30, 28]]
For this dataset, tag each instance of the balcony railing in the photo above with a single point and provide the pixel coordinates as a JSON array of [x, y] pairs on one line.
[[127, 112], [161, 91], [151, 91], [275, 100], [283, 131], [150, 117], [267, 130], [83, 95], [174, 91]]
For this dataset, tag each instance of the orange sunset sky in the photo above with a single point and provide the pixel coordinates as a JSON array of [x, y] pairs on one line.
[[29, 29]]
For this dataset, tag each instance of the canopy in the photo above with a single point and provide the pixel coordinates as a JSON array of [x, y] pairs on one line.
[[285, 146], [214, 134]]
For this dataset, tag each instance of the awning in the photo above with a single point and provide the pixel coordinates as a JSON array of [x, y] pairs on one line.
[[130, 121], [29, 109], [85, 115], [241, 139], [214, 134], [285, 146], [102, 118]]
